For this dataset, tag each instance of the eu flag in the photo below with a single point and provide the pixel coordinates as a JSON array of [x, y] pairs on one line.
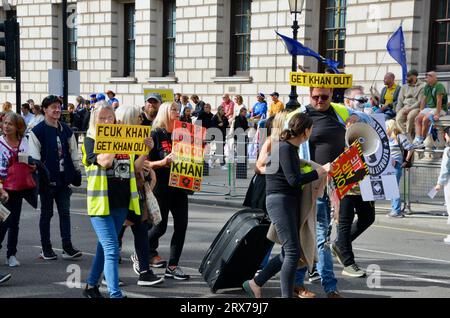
[[296, 48], [396, 49]]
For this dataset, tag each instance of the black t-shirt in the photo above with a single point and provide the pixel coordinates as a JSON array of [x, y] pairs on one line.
[[162, 148], [145, 120], [288, 179], [118, 176], [327, 140]]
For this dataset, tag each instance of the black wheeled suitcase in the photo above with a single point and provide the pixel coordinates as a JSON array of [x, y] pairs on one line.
[[237, 251]]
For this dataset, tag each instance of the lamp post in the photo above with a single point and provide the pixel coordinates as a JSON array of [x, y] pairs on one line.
[[296, 7]]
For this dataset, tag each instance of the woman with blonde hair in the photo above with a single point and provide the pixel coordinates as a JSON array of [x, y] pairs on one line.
[[111, 194], [169, 198], [129, 115], [398, 143]]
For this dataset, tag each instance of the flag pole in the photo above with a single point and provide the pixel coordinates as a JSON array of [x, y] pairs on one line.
[[376, 74]]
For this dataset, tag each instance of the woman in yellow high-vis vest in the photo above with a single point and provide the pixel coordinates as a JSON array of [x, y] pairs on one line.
[[111, 193]]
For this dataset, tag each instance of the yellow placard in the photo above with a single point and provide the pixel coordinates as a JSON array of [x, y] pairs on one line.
[[121, 139], [166, 93], [321, 80]]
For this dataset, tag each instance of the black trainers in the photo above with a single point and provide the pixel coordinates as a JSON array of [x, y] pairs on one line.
[[48, 254], [176, 273], [314, 275], [4, 277], [148, 278], [92, 292], [70, 253]]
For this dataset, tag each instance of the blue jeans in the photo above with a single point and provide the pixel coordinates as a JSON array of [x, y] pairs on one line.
[[106, 258], [325, 264], [61, 196], [396, 204], [300, 276]]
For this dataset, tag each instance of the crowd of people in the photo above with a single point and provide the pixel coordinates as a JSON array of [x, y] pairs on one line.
[[40, 156]]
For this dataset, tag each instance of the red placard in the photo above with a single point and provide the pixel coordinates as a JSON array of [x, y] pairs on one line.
[[347, 170]]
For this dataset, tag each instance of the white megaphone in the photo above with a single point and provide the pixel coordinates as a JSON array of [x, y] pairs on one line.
[[366, 135]]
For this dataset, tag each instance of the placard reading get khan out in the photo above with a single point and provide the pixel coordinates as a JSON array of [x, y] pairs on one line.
[[121, 139]]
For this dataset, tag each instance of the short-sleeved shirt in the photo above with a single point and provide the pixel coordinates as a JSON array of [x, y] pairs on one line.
[[275, 108], [432, 92], [389, 96], [162, 148]]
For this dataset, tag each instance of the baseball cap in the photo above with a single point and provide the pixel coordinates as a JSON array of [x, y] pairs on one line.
[[154, 96], [275, 94], [110, 92], [261, 95], [100, 97]]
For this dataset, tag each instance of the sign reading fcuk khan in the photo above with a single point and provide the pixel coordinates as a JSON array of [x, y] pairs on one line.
[[121, 139]]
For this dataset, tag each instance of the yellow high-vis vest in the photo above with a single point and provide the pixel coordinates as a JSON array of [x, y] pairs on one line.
[[97, 189]]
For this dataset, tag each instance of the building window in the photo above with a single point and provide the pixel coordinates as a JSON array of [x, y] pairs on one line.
[[130, 25], [440, 35], [333, 13], [240, 37], [73, 41], [170, 13]]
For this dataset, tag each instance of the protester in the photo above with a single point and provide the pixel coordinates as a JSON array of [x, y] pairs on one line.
[[259, 111], [26, 113], [186, 116], [228, 106], [112, 100], [53, 144], [205, 117], [169, 198], [177, 99], [276, 106], [129, 115], [184, 103], [444, 180], [327, 142], [112, 177], [409, 102], [152, 103], [398, 142], [38, 117], [432, 106], [198, 105], [12, 145], [389, 96], [220, 121], [283, 190]]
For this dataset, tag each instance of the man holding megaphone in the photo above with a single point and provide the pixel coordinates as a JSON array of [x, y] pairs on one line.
[[326, 143]]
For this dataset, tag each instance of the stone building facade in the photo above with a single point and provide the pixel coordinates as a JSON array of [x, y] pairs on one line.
[[212, 47]]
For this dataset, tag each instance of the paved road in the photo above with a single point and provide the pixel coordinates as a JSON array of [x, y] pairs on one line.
[[413, 263]]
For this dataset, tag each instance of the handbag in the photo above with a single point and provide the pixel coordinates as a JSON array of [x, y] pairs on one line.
[[19, 175], [152, 205]]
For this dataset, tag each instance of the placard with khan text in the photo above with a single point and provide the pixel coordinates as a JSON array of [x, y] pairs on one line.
[[121, 139], [186, 170]]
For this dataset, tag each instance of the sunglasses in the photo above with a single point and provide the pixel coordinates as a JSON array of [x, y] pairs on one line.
[[321, 97]]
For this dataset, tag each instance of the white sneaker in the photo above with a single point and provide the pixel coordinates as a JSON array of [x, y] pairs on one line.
[[12, 262], [447, 240]]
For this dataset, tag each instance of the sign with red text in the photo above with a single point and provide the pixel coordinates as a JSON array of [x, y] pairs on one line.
[[347, 171], [186, 170]]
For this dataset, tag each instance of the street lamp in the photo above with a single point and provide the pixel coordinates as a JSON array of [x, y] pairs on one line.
[[296, 7]]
